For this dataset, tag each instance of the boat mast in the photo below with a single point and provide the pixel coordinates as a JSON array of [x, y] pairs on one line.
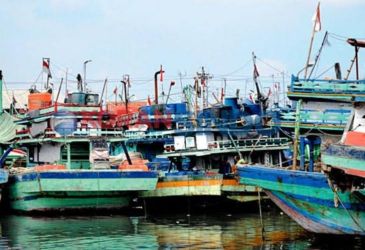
[[125, 82], [312, 39], [261, 99], [196, 86], [296, 134], [319, 53]]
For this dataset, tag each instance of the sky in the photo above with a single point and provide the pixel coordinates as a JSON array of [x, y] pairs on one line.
[[136, 37]]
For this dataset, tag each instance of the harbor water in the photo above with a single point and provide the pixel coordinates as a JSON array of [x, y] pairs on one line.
[[217, 231]]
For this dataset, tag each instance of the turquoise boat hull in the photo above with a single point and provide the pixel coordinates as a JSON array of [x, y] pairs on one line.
[[308, 199], [77, 189]]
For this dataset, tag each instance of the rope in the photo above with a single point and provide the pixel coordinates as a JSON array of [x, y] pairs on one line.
[[324, 72], [261, 220], [339, 199]]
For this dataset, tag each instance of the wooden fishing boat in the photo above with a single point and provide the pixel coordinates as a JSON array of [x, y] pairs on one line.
[[309, 199], [329, 201], [196, 146], [56, 188], [67, 163]]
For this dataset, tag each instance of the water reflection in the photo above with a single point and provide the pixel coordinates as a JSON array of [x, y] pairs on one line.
[[121, 232]]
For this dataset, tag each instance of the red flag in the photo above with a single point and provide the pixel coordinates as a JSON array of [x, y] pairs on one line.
[[203, 82], [45, 65], [115, 90], [222, 94], [269, 94], [149, 101], [161, 74], [317, 19]]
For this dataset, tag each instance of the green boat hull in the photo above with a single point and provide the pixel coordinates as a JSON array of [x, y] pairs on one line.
[[69, 190]]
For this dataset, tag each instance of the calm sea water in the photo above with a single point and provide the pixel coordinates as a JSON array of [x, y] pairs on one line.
[[241, 231]]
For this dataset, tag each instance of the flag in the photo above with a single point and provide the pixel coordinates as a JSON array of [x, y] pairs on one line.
[[317, 19], [222, 94], [161, 74], [45, 66], [115, 90], [172, 83], [203, 82]]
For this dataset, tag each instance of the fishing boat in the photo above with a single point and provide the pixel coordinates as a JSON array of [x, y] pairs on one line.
[[346, 157], [189, 146], [68, 164], [328, 200]]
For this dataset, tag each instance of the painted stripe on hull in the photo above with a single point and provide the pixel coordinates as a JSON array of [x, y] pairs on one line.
[[350, 166], [47, 192], [84, 174], [44, 203], [190, 183], [319, 219], [167, 188], [283, 176], [23, 188]]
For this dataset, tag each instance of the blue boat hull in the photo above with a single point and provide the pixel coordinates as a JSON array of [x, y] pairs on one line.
[[308, 199]]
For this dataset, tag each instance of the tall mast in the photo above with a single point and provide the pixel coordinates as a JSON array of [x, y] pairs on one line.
[[319, 53], [204, 83], [315, 28]]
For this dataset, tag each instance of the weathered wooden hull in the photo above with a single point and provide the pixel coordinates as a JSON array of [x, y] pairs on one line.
[[76, 189], [188, 184], [308, 199], [347, 158]]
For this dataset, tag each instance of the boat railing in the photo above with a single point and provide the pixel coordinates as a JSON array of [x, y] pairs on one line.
[[222, 146], [262, 142], [337, 117], [331, 86], [211, 123]]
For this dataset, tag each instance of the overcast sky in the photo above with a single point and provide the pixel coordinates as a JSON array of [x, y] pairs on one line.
[[136, 37]]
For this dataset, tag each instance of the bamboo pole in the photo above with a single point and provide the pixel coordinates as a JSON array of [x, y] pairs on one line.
[[311, 45]]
